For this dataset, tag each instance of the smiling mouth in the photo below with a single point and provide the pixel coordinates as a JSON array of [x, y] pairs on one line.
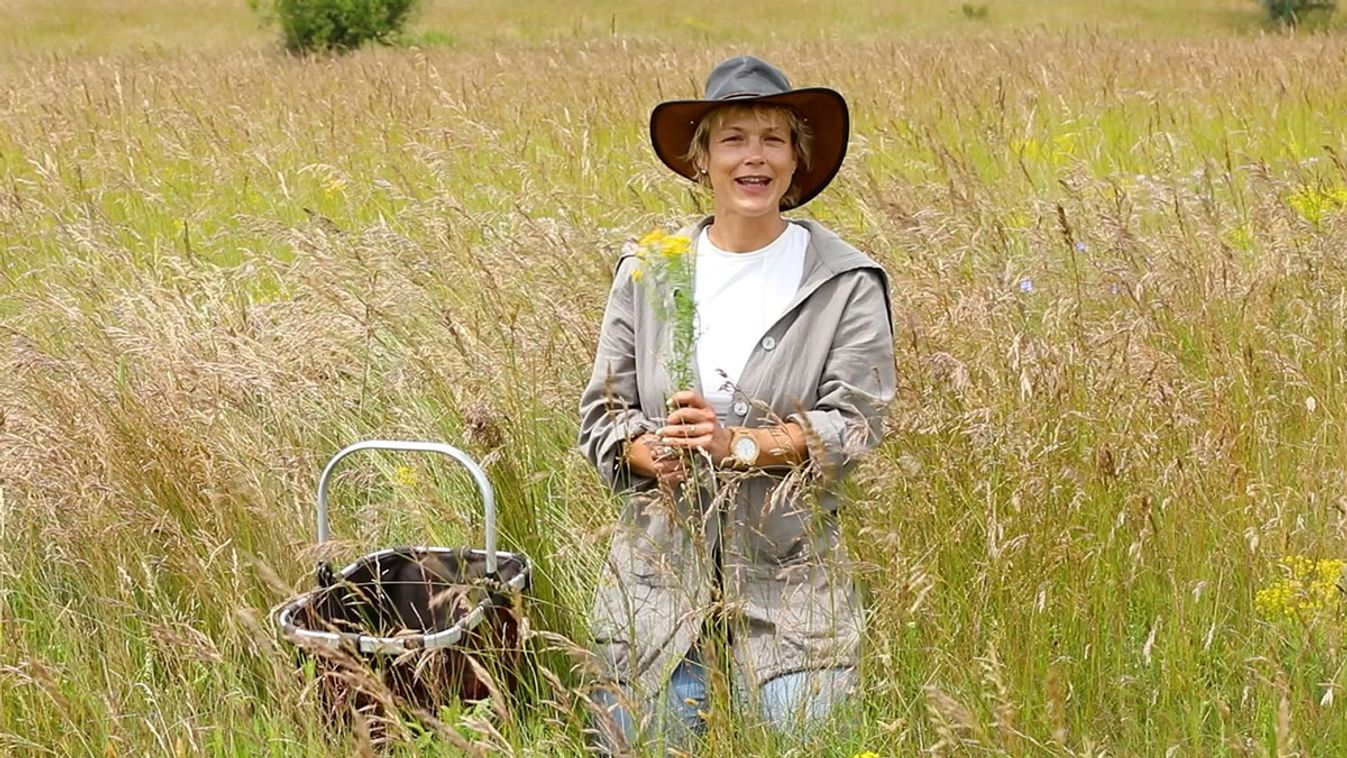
[[753, 181]]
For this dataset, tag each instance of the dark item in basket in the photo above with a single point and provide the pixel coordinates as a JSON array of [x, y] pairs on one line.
[[413, 594]]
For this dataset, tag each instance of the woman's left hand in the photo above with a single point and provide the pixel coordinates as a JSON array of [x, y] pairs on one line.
[[694, 425]]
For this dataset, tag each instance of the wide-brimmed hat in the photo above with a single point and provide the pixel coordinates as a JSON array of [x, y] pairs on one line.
[[750, 80]]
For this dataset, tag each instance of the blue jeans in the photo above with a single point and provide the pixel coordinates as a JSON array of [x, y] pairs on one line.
[[790, 704]]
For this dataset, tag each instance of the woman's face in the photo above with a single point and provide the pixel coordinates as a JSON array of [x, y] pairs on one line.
[[751, 161]]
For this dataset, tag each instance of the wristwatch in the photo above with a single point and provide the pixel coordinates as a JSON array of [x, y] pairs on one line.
[[743, 448]]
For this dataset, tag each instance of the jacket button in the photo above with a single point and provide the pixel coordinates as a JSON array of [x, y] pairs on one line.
[[740, 408], [768, 342]]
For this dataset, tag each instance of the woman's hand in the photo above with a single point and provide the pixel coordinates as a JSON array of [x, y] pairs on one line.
[[649, 457], [693, 425]]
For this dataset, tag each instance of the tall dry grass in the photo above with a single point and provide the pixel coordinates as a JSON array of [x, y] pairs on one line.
[[1119, 273]]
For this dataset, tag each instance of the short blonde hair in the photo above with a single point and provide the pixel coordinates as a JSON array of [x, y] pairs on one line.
[[801, 138]]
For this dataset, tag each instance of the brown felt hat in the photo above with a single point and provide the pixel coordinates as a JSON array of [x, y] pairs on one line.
[[752, 80]]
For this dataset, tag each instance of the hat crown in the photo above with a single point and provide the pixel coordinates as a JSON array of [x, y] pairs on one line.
[[745, 76]]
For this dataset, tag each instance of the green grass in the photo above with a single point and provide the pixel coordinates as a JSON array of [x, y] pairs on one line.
[[1115, 233]]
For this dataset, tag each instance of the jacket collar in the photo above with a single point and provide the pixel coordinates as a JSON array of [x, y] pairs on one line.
[[827, 256]]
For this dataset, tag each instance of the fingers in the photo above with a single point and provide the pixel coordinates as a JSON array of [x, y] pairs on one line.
[[690, 415], [688, 399], [669, 462], [685, 436], [670, 471], [699, 441], [664, 454], [675, 431], [689, 426]]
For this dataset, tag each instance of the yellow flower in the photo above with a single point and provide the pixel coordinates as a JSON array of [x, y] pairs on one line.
[[1329, 571], [674, 246], [1315, 203], [404, 476], [1241, 237], [651, 239], [655, 250], [866, 754], [658, 243]]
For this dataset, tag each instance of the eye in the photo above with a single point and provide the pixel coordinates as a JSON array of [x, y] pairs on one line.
[[732, 138]]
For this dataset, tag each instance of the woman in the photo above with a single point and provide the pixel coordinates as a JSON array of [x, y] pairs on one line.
[[794, 369]]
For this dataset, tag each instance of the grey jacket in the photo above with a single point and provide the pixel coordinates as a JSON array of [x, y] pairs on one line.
[[788, 595]]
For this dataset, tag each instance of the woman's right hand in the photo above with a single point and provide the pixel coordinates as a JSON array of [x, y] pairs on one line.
[[662, 463]]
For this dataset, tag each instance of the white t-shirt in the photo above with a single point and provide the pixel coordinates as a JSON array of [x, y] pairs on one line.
[[739, 296]]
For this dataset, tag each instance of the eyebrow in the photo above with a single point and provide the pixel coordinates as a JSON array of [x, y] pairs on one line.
[[769, 128]]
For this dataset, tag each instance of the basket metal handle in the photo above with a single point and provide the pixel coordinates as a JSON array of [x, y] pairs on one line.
[[483, 485]]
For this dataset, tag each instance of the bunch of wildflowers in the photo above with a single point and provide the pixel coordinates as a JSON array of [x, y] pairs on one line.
[[1315, 204], [1309, 588], [665, 260]]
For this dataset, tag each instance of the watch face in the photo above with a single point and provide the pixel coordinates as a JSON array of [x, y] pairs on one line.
[[745, 449]]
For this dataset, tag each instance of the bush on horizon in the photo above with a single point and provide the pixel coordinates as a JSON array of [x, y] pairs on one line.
[[1292, 12], [315, 26]]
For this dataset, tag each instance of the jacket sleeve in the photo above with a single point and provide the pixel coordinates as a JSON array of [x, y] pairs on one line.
[[610, 408], [858, 381]]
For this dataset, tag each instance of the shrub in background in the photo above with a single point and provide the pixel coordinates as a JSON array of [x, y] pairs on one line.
[[975, 12], [335, 25], [1292, 12]]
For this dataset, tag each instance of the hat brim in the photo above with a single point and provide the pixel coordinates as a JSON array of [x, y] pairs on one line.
[[674, 122]]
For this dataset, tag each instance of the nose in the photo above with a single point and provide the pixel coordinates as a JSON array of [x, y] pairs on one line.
[[755, 151]]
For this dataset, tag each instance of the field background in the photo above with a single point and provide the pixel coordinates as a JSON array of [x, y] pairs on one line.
[[1116, 235]]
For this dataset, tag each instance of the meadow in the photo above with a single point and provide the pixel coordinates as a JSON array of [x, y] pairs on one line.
[[1109, 508]]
